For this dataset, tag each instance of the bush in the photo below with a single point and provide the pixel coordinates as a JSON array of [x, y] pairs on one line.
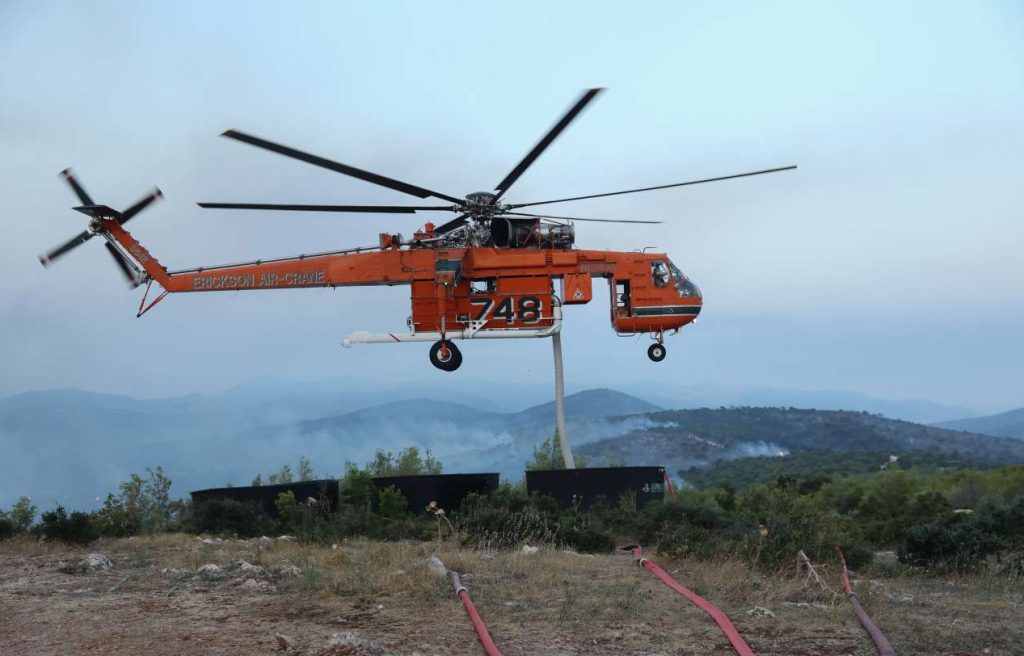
[[288, 512], [75, 528], [8, 528], [393, 504]]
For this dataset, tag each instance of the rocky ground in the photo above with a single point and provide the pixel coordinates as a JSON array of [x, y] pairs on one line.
[[178, 594]]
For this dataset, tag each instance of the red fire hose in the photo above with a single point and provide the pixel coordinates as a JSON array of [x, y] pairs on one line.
[[718, 616], [882, 645], [478, 624]]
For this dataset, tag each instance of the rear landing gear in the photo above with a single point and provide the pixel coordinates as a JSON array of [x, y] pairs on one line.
[[656, 352], [446, 356]]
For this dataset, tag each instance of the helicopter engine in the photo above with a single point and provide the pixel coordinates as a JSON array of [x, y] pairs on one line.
[[531, 233]]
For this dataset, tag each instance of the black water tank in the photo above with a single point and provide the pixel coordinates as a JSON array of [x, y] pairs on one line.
[[448, 490], [582, 487], [265, 495]]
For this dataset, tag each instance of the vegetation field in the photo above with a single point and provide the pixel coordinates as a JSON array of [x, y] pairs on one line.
[[937, 553], [160, 596]]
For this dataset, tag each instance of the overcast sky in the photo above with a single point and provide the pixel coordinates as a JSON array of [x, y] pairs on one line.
[[889, 263]]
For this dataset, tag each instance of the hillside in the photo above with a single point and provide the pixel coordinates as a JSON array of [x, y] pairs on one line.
[[1004, 424], [687, 438], [809, 465]]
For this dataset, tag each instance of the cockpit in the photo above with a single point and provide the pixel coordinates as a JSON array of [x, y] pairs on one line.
[[664, 273]]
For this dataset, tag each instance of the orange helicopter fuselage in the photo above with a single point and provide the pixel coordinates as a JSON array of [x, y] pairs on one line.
[[504, 288]]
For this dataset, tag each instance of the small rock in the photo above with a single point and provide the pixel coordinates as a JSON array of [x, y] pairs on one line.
[[284, 642], [286, 538], [288, 570], [529, 551], [97, 561], [342, 644], [209, 571], [903, 598], [760, 611], [253, 584], [248, 568], [211, 540], [436, 567], [264, 538]]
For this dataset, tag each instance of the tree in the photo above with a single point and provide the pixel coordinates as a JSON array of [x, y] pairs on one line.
[[549, 456], [281, 477], [23, 513], [288, 511], [305, 469], [258, 481], [409, 462]]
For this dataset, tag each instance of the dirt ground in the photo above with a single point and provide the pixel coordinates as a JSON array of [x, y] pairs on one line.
[[381, 598]]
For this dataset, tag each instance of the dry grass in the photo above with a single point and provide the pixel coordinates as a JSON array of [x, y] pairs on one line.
[[548, 603]]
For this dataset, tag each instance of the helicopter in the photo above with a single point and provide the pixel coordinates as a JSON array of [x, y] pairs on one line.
[[489, 272]]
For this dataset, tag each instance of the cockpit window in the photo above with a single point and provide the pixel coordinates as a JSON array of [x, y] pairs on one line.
[[683, 284], [660, 274]]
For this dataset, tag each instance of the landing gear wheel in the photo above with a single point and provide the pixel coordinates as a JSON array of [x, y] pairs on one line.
[[450, 359], [656, 352]]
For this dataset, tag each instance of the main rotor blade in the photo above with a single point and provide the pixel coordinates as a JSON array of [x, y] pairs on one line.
[[678, 184], [457, 222], [77, 240], [368, 209], [122, 264], [79, 191], [576, 218], [546, 141], [142, 204], [374, 178]]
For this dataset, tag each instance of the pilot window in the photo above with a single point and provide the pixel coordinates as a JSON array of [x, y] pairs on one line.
[[660, 274], [684, 286]]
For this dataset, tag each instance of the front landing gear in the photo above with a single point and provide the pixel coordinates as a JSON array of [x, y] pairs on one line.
[[656, 352], [446, 356]]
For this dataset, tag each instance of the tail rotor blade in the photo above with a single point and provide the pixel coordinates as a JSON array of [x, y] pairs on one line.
[[122, 264], [79, 191], [70, 244], [142, 204]]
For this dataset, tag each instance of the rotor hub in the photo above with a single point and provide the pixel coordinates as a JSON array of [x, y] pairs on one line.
[[482, 204]]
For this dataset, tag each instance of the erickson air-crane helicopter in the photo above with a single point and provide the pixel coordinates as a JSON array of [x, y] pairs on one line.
[[489, 272]]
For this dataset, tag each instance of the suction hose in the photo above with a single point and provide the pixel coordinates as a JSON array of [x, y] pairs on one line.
[[718, 616], [882, 645], [463, 594]]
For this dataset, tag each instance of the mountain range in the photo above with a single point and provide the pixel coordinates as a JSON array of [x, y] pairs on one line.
[[72, 447], [1004, 424]]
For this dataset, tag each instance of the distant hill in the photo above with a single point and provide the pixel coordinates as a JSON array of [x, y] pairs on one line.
[[1004, 424], [687, 438], [72, 447], [808, 465], [692, 397], [601, 402]]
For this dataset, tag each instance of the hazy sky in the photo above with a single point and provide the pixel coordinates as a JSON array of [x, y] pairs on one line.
[[890, 263]]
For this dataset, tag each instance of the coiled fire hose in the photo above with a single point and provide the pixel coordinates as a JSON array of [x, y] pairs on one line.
[[718, 616], [882, 645], [463, 594]]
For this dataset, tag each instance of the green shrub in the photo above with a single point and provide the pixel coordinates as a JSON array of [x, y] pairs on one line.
[[8, 527], [288, 512], [393, 504], [75, 528]]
